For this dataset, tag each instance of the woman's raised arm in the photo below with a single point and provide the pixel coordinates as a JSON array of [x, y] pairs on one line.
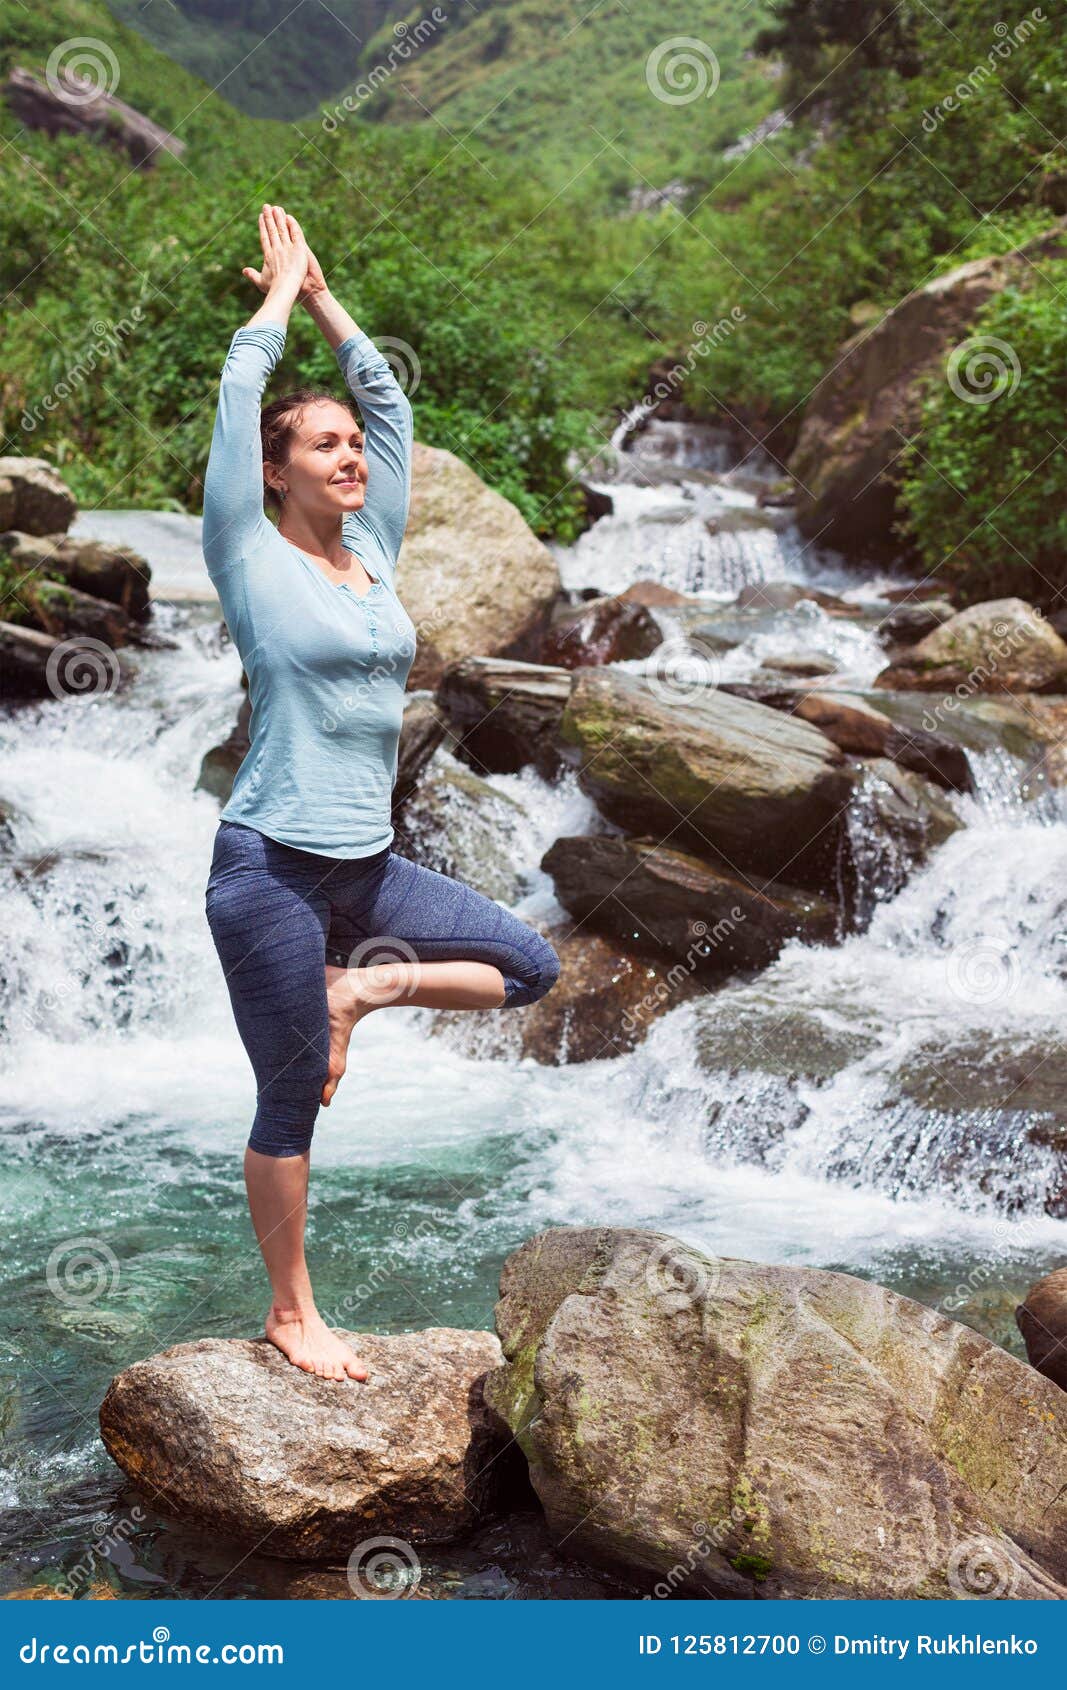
[[233, 483], [388, 427]]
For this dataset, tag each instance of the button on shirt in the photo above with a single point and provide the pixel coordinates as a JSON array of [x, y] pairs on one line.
[[327, 667]]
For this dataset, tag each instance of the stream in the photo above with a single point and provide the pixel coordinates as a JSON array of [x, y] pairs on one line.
[[841, 1109]]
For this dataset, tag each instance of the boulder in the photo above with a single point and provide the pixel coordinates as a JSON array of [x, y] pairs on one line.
[[908, 623], [802, 664], [604, 1003], [786, 595], [718, 774], [653, 593], [69, 104], [459, 825], [64, 612], [473, 576], [664, 901], [219, 766], [847, 454], [34, 497], [897, 820], [1048, 718], [505, 715], [1042, 1320], [1003, 645], [854, 726], [421, 732], [224, 1432], [858, 728], [35, 665], [731, 1429], [118, 575], [603, 630]]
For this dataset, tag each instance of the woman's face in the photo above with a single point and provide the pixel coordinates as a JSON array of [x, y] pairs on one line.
[[327, 471]]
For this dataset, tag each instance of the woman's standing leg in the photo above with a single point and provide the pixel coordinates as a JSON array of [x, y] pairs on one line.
[[401, 934], [269, 917]]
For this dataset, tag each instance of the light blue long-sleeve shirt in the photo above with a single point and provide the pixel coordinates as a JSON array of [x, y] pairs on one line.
[[327, 668]]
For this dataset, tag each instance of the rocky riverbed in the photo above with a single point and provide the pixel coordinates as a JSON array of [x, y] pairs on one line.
[[795, 825]]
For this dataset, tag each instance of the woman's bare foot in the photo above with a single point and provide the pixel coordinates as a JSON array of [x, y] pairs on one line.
[[306, 1341], [352, 993], [346, 1006]]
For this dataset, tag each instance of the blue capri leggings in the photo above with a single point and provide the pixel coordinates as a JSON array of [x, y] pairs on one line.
[[278, 915]]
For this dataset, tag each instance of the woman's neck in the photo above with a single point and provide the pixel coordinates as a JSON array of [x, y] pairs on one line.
[[324, 541]]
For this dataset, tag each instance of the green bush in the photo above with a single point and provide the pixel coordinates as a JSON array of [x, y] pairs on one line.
[[983, 490]]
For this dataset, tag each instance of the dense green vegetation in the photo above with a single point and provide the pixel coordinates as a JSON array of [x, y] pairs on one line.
[[494, 235], [985, 486]]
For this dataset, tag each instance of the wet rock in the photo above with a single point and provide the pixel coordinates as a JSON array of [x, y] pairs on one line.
[[119, 576], [932, 755], [606, 999], [724, 776], [847, 453], [731, 1429], [598, 501], [219, 766], [459, 825], [1004, 645], [24, 659], [897, 820], [653, 593], [225, 1432], [472, 575], [909, 623], [1047, 718], [786, 595], [64, 612], [928, 588], [421, 732], [604, 630], [663, 900], [1042, 1320], [34, 497], [853, 726], [505, 714], [801, 663]]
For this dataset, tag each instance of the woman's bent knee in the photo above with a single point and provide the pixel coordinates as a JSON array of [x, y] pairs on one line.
[[540, 973]]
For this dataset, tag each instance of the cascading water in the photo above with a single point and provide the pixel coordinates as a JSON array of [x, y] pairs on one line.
[[883, 1106]]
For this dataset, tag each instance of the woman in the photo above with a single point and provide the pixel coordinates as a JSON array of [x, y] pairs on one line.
[[316, 920]]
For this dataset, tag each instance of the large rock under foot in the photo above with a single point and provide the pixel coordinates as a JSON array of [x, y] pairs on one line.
[[227, 1433], [738, 1430]]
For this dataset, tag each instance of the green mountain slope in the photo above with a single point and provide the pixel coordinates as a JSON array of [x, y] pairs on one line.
[[270, 58]]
